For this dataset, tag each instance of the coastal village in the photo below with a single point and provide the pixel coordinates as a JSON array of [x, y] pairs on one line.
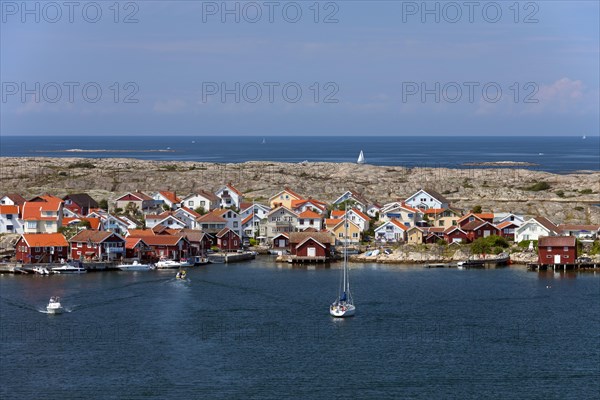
[[149, 226]]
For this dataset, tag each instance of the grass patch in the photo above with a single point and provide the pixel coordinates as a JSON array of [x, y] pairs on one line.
[[538, 187]]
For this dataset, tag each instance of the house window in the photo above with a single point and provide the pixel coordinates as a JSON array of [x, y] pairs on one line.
[[441, 223], [565, 248], [235, 224], [31, 224], [79, 253], [9, 227], [341, 234], [410, 215], [565, 256], [191, 203], [301, 222], [9, 216], [312, 222], [37, 249], [548, 256], [354, 234], [549, 248], [202, 203]]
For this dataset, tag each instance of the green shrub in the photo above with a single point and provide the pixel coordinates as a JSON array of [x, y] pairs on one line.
[[82, 164], [560, 193], [586, 191], [537, 187], [595, 250], [578, 208]]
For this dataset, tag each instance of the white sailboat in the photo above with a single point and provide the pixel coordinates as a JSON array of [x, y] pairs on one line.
[[583, 137], [264, 141], [343, 306], [361, 158]]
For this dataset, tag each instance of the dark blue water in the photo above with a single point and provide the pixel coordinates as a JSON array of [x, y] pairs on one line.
[[553, 154], [255, 331]]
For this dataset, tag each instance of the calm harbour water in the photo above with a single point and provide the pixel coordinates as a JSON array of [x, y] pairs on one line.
[[253, 330]]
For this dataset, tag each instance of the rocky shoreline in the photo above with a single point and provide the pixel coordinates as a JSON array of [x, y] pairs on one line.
[[495, 189]]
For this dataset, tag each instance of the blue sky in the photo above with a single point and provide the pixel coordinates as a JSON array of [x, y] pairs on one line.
[[371, 66]]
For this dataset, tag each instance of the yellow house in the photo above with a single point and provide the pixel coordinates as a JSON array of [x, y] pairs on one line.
[[284, 198], [415, 235], [442, 217], [339, 230]]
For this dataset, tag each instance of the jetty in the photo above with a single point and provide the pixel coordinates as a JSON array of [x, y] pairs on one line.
[[225, 258]]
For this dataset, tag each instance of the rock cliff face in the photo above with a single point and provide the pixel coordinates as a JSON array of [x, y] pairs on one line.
[[495, 189]]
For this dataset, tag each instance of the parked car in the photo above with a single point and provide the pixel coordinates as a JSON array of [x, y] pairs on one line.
[[584, 260]]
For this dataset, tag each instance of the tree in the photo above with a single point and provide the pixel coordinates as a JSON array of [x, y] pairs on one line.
[[166, 207], [103, 204], [85, 224], [200, 210], [132, 210], [476, 209]]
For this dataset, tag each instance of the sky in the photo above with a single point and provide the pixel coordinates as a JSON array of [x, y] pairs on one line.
[[299, 68]]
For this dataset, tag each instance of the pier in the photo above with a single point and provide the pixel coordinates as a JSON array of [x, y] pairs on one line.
[[563, 267]]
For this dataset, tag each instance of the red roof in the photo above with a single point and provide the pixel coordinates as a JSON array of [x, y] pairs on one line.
[[224, 231], [248, 218], [45, 240], [93, 236], [435, 210], [9, 209], [212, 217], [131, 242], [16, 198], [471, 215], [557, 241], [171, 196], [233, 189], [546, 223], [138, 233], [189, 210], [139, 195], [506, 224], [409, 208]]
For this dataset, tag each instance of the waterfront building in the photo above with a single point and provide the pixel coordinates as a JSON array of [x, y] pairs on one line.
[[34, 248], [97, 245], [553, 250]]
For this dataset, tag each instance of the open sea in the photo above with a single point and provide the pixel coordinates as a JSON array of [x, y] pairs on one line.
[[256, 330], [552, 154]]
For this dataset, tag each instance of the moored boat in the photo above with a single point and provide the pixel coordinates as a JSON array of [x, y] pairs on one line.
[[69, 269], [168, 264], [135, 266]]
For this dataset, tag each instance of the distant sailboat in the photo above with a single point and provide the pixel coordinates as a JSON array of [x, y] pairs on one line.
[[361, 158], [584, 137], [264, 141]]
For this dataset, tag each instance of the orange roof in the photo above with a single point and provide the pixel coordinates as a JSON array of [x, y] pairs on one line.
[[399, 224], [189, 210], [309, 214], [471, 215], [290, 191], [9, 209], [505, 224], [330, 222], [248, 218], [45, 239], [171, 196], [131, 242], [316, 203], [212, 217], [403, 204], [337, 213], [435, 211], [32, 210], [485, 215]]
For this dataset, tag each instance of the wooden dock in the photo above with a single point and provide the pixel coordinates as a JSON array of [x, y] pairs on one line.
[[563, 267], [225, 258]]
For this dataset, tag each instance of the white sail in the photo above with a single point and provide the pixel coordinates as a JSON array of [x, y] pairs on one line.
[[344, 305], [361, 158]]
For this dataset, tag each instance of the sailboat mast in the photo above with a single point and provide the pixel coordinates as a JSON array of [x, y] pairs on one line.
[[345, 246]]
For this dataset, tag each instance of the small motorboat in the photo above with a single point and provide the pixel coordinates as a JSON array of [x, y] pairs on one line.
[[54, 306], [186, 262], [181, 275], [135, 266], [41, 271], [199, 260]]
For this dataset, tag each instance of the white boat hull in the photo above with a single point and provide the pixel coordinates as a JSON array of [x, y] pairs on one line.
[[55, 310], [69, 270], [342, 311], [134, 267], [168, 265]]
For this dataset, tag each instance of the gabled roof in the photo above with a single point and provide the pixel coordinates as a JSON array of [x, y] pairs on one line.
[[352, 194], [211, 217], [93, 236], [337, 214], [437, 195], [15, 197], [45, 239], [394, 222], [474, 225], [224, 231], [289, 191], [341, 222], [131, 242], [187, 211], [231, 188], [452, 229], [469, 215], [193, 235], [82, 200], [171, 196], [32, 210], [140, 195], [506, 224], [309, 215], [4, 210], [248, 219], [557, 241], [546, 223], [284, 208], [360, 214], [284, 234], [322, 237], [203, 193]]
